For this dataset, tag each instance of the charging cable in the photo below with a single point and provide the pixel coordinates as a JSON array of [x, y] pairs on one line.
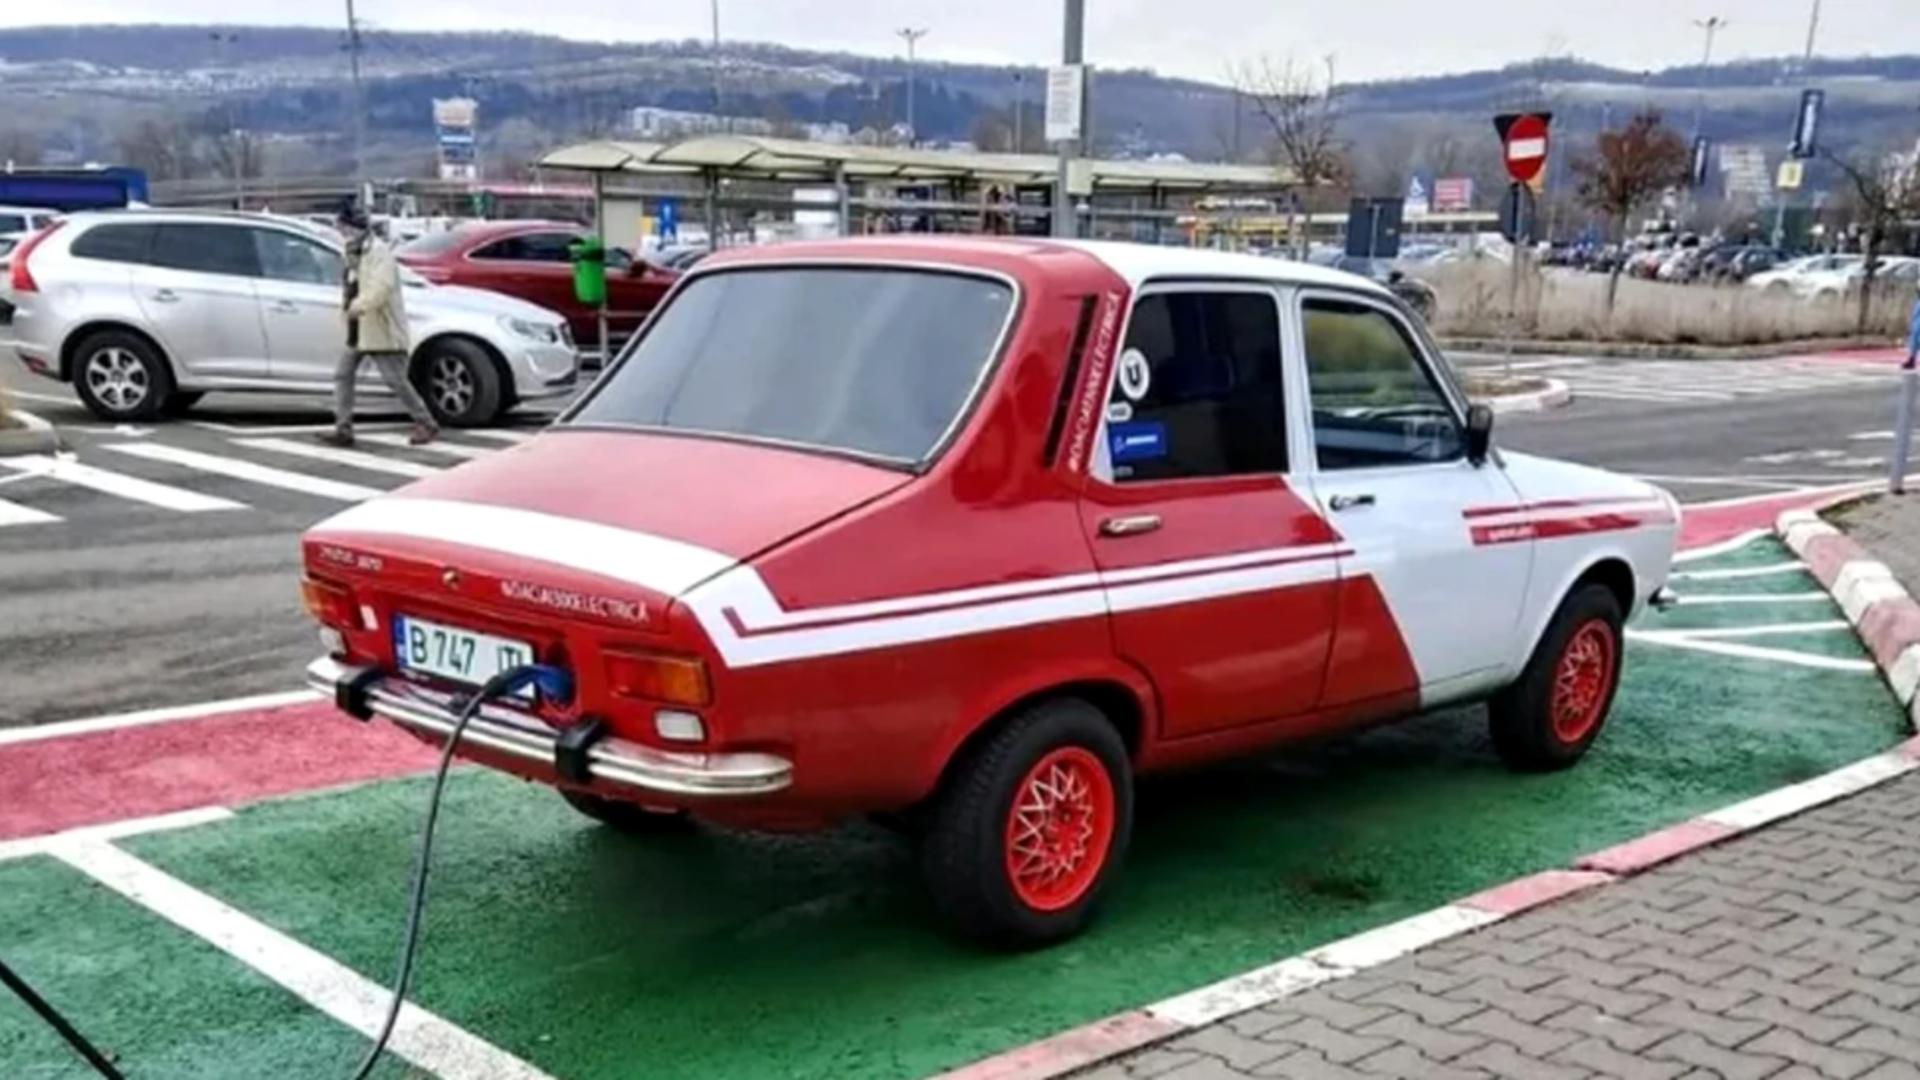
[[555, 685], [59, 1023]]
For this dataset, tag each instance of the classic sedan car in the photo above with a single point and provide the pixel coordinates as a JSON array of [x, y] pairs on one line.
[[968, 533]]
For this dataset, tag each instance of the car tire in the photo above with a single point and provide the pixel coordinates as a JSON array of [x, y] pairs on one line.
[[1029, 826], [460, 382], [628, 817], [180, 401], [1548, 717], [121, 377]]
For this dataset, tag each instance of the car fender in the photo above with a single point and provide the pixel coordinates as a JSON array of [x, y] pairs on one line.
[[81, 329]]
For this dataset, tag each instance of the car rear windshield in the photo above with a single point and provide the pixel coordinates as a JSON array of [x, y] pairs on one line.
[[873, 362], [431, 245]]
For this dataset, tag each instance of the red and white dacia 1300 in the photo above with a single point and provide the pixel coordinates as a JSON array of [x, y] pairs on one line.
[[970, 532]]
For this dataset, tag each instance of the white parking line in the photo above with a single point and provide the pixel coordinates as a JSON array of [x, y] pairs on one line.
[[336, 455], [1817, 626], [14, 514], [501, 434], [1722, 547], [438, 446], [1754, 598], [91, 724], [1740, 572], [1682, 640], [112, 830], [247, 470], [429, 1042], [165, 496]]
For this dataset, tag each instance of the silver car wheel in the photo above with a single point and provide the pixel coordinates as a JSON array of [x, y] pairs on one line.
[[117, 378], [451, 385]]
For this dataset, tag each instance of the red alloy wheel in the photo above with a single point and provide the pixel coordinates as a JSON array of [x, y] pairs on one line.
[[1581, 680], [1059, 829]]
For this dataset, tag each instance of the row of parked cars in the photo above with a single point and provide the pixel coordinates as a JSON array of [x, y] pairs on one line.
[[145, 311]]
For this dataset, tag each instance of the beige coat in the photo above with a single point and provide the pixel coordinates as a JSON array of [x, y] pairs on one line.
[[380, 305]]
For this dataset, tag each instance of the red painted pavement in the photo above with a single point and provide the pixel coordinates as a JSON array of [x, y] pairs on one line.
[[210, 761], [1534, 890], [1873, 356], [1655, 848], [1709, 522]]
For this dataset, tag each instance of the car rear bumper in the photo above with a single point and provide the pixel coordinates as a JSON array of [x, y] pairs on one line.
[[612, 764]]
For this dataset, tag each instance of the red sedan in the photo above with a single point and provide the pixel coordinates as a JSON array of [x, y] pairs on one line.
[[530, 260]]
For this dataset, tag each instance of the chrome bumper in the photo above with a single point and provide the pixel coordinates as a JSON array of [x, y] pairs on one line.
[[613, 762]]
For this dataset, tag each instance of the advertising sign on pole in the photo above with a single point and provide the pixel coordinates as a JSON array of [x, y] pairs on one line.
[[1066, 92], [1418, 200], [1792, 172], [1806, 125]]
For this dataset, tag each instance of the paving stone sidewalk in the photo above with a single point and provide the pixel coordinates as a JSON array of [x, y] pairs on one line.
[[1792, 953], [1889, 527]]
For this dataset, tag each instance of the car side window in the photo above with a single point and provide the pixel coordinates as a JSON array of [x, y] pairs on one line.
[[1374, 402], [1197, 392], [548, 247], [207, 249], [285, 257], [507, 250], [115, 243]]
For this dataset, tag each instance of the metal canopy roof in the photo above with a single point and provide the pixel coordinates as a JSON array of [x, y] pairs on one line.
[[766, 157]]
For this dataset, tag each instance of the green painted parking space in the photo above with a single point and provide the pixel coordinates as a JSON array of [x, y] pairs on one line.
[[716, 954], [157, 1001]]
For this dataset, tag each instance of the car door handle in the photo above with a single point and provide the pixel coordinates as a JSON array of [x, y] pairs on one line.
[[1133, 525], [166, 296], [286, 307], [1348, 502]]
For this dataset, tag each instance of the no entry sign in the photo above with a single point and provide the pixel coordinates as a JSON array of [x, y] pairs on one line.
[[1523, 137]]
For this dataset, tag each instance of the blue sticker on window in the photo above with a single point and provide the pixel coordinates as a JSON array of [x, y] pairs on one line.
[[1137, 440]]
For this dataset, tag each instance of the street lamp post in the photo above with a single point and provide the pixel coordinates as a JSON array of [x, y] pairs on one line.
[[1712, 24], [1019, 108], [1072, 53], [364, 190], [911, 35], [717, 111]]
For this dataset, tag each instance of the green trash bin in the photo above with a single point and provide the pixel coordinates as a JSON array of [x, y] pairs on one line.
[[589, 271]]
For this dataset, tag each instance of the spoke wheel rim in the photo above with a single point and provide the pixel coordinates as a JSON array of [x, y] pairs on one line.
[[1059, 828], [117, 378], [451, 385], [1581, 680]]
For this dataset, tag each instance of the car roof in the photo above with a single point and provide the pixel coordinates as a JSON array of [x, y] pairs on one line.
[[86, 218], [1136, 263]]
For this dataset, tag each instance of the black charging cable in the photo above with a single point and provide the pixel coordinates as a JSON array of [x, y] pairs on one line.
[[555, 685], [59, 1023]]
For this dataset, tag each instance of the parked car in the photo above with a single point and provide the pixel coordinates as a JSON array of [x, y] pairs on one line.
[[678, 257], [1803, 275], [145, 311], [986, 578], [1737, 262], [532, 260], [25, 219], [1895, 272], [1416, 294]]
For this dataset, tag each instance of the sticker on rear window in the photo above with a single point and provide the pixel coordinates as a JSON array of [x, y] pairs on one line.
[[1138, 440]]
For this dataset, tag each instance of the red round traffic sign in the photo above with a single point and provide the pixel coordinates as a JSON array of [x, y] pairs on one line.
[[1526, 147]]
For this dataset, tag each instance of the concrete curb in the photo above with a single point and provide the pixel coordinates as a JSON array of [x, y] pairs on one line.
[[1633, 350], [33, 436], [1880, 608], [1556, 394]]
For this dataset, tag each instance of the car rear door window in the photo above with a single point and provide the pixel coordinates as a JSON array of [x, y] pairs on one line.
[[207, 249], [530, 247], [1198, 390], [116, 243], [285, 257], [1374, 401]]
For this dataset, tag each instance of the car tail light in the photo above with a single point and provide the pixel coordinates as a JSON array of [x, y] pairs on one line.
[[678, 680], [20, 278], [331, 604], [434, 274]]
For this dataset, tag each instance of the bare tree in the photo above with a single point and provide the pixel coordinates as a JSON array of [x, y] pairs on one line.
[[162, 149], [1885, 190], [1627, 168], [19, 147], [1303, 123]]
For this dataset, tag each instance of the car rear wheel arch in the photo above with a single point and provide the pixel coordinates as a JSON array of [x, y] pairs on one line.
[[70, 348], [1115, 700]]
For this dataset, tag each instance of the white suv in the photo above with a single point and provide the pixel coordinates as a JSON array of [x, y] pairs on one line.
[[145, 311]]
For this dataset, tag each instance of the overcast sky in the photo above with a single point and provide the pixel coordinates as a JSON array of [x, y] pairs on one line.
[[1199, 38]]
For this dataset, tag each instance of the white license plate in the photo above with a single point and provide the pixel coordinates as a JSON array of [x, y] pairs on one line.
[[449, 652]]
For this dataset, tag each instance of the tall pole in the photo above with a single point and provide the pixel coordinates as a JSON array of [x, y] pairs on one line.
[[1780, 197], [232, 137], [1072, 53], [1712, 25], [361, 187], [1813, 29], [911, 35], [1019, 108], [717, 112]]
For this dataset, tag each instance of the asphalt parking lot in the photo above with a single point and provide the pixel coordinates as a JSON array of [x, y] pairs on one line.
[[564, 949]]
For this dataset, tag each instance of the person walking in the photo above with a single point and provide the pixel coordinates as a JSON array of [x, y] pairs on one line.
[[1913, 330], [376, 318]]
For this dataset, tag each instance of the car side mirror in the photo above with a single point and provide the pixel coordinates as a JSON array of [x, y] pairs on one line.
[[1479, 432]]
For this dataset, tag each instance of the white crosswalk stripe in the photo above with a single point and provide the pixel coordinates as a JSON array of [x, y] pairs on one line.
[[438, 446], [352, 458], [1705, 381], [246, 470], [287, 462], [113, 483]]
